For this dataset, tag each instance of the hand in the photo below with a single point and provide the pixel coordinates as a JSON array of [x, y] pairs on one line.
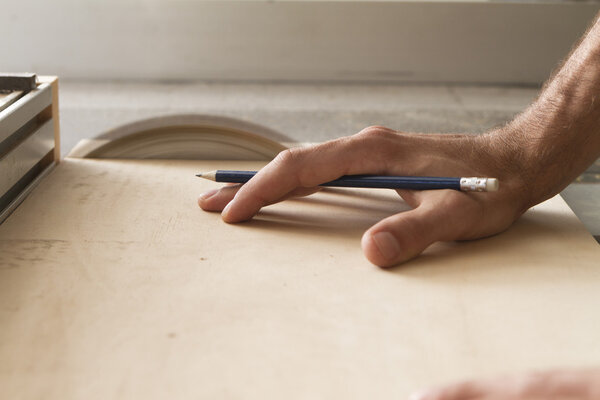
[[534, 157], [437, 215], [552, 385]]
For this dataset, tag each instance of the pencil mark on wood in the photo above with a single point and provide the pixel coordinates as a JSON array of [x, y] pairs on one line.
[[22, 252], [9, 265]]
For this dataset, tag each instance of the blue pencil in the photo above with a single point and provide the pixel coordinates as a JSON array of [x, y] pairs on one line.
[[376, 181]]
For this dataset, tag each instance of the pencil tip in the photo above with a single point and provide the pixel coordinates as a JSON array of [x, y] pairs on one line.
[[210, 175]]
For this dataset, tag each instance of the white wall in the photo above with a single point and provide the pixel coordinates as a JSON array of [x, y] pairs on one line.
[[473, 42]]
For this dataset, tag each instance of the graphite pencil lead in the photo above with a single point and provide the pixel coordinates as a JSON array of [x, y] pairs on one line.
[[210, 175]]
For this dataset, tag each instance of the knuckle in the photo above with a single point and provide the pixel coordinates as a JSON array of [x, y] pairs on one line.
[[384, 142], [288, 157], [377, 132], [291, 162]]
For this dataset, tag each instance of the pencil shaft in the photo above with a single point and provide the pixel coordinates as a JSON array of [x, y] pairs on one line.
[[361, 181]]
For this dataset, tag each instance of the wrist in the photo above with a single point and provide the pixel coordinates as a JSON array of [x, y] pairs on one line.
[[506, 158]]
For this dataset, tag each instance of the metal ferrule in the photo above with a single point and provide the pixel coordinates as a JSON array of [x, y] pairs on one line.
[[473, 184]]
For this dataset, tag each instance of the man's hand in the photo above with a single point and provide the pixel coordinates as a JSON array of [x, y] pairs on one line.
[[440, 215], [553, 385], [534, 157]]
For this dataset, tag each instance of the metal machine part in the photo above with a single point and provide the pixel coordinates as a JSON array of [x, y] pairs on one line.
[[185, 137], [28, 135]]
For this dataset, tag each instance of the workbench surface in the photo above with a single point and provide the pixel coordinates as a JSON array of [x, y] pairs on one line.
[[115, 285]]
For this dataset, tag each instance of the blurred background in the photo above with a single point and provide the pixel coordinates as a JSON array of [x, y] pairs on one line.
[[469, 42], [311, 70]]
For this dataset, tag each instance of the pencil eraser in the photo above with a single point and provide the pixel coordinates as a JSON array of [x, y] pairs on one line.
[[491, 184]]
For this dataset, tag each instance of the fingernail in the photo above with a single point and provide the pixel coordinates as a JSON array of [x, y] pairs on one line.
[[209, 194], [227, 208], [387, 245]]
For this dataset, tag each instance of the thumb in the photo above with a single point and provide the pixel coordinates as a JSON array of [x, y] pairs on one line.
[[403, 236]]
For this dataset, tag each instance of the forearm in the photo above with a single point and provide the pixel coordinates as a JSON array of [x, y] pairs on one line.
[[558, 136]]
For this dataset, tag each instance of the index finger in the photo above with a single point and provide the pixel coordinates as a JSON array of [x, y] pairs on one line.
[[309, 167]]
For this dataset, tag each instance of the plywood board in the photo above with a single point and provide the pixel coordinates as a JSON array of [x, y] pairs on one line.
[[114, 284]]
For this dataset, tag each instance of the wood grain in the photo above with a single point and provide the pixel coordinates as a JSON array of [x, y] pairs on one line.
[[114, 284]]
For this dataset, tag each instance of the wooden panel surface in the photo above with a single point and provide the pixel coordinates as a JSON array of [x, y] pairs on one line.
[[114, 284]]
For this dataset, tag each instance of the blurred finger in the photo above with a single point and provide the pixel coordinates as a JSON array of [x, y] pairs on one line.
[[560, 384], [467, 390]]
